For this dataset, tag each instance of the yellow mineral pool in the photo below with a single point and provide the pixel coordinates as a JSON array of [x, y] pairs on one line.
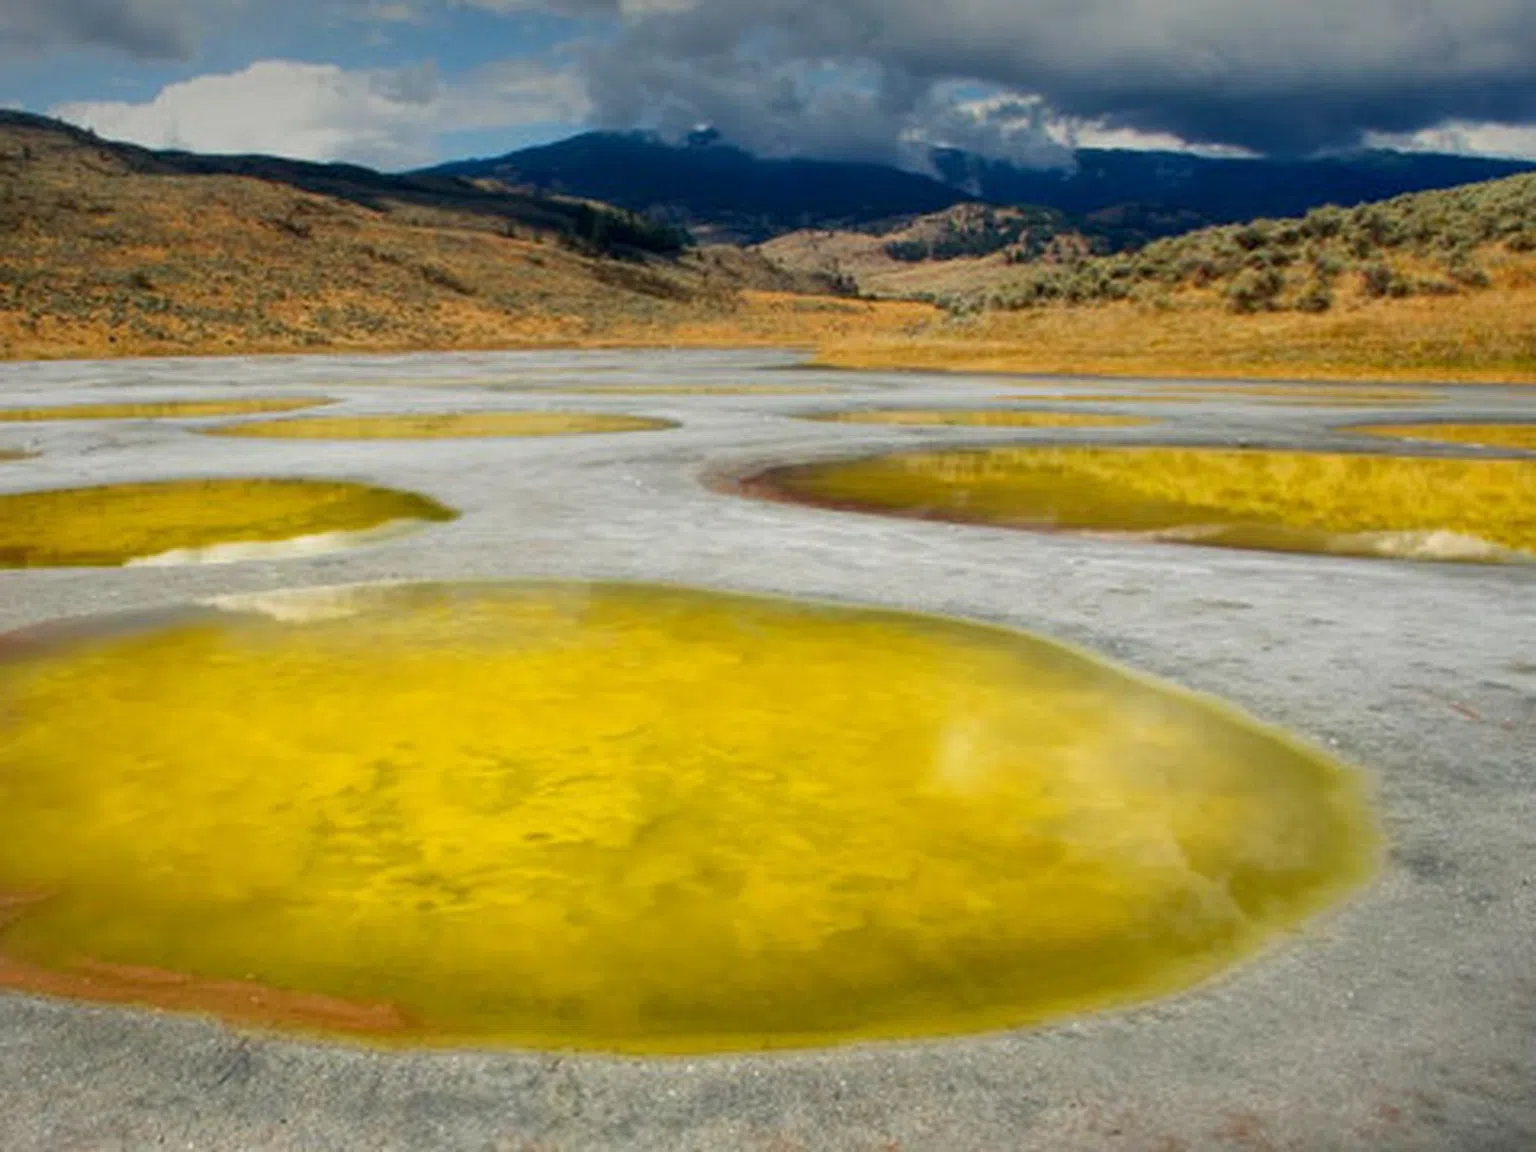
[[1319, 396], [973, 418], [194, 519], [1357, 504], [1316, 393], [442, 425], [633, 818], [163, 410], [1505, 435]]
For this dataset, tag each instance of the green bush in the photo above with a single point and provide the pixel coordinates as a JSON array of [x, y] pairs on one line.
[[1255, 291]]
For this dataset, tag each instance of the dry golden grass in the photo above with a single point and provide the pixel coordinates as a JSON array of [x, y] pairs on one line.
[[782, 319], [101, 256], [1484, 337]]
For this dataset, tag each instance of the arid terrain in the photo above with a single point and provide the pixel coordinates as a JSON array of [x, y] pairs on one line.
[[767, 576], [108, 250], [1398, 1020]]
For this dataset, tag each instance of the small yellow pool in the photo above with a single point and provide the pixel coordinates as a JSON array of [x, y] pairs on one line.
[[163, 410], [973, 418], [1317, 393], [1356, 504], [123, 523], [442, 426], [1506, 435]]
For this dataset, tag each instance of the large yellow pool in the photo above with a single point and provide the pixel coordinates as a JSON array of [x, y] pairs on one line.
[[633, 818]]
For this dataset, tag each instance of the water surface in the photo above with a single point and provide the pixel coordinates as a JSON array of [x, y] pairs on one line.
[[1356, 504], [633, 818], [190, 519]]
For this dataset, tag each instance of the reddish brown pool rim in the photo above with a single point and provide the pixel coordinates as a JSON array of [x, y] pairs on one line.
[[238, 1001]]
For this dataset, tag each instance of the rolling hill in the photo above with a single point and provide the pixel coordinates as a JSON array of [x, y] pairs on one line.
[[1429, 285], [110, 249]]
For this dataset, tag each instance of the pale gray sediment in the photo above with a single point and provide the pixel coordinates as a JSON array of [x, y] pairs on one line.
[[1404, 1020]]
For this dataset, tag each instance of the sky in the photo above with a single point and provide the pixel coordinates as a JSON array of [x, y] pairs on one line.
[[398, 84]]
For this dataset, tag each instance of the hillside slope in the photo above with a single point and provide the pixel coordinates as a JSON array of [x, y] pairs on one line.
[[112, 249], [940, 254], [1434, 285], [1442, 243]]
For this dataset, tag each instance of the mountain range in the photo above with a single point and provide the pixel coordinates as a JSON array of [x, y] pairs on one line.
[[1122, 198]]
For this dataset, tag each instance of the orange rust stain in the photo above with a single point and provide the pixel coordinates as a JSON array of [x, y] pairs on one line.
[[243, 1001]]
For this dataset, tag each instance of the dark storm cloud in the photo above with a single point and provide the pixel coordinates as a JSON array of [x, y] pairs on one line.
[[149, 29], [1263, 74]]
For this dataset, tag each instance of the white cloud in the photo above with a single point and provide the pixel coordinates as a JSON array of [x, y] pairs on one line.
[[387, 118], [1517, 141], [1078, 133], [1003, 126]]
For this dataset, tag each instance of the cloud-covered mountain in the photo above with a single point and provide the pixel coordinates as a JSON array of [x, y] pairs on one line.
[[722, 190]]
